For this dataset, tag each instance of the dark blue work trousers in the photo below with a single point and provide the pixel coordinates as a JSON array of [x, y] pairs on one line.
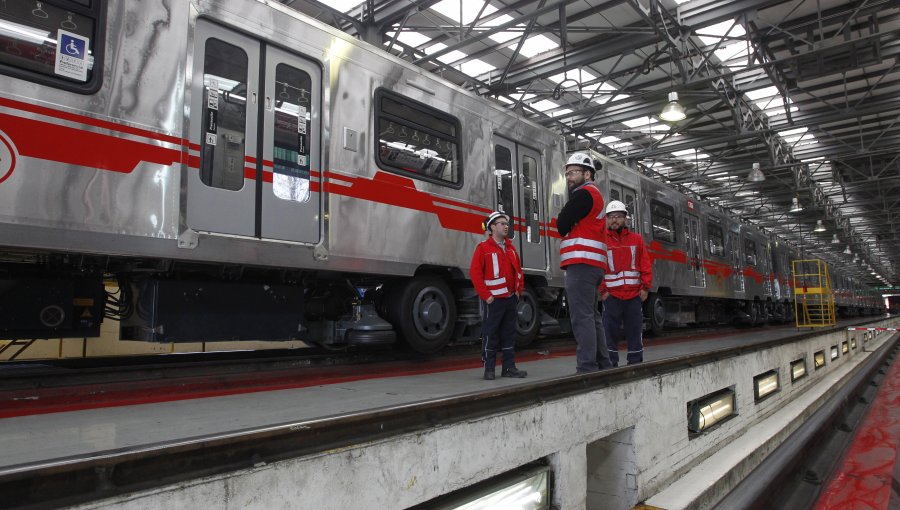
[[498, 330], [628, 311]]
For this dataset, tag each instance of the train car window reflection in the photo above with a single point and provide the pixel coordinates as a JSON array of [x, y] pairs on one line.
[[530, 192], [30, 37], [224, 115], [417, 140], [290, 154], [503, 171], [716, 240], [663, 218], [750, 251]]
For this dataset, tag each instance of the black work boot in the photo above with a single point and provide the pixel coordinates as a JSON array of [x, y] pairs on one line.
[[488, 374], [513, 372]]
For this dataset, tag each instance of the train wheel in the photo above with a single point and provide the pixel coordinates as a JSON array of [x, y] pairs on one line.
[[424, 312], [528, 318], [656, 310]]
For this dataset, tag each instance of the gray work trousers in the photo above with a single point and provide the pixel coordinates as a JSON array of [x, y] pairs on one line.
[[583, 294]]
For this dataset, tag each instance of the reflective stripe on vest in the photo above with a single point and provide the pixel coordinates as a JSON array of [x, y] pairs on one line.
[[622, 278]]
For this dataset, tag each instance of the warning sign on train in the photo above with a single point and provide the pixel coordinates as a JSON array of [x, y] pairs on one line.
[[71, 56]]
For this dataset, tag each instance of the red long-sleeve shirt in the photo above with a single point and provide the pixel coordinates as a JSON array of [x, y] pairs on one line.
[[496, 272]]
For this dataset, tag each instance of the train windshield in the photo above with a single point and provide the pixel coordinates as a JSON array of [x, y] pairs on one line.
[[48, 40]]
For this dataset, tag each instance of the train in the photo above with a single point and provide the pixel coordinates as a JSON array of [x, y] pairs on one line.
[[234, 170]]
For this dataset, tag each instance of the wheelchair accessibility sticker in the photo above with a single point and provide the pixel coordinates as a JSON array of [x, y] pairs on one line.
[[71, 56]]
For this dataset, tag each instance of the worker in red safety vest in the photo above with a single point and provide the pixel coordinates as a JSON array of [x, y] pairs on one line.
[[498, 279], [582, 254], [625, 286]]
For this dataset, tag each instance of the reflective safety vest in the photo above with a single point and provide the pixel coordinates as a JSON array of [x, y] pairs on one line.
[[630, 268], [496, 272], [586, 242]]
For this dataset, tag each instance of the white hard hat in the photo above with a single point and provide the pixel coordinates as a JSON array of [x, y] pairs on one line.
[[581, 159], [616, 206], [494, 216]]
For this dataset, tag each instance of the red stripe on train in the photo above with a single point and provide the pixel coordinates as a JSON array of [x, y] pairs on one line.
[[63, 144]]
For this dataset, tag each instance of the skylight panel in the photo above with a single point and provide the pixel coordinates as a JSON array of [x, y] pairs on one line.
[[544, 105], [413, 39], [447, 58], [344, 5], [535, 45], [608, 140], [734, 55], [638, 122], [476, 67], [579, 75], [563, 111], [501, 37], [712, 34], [451, 9], [755, 95], [791, 132]]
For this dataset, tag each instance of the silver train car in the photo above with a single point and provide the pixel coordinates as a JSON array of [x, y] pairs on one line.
[[709, 268], [244, 172]]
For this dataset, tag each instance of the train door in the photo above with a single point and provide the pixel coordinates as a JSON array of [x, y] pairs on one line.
[[227, 111], [737, 262], [290, 209], [628, 197], [693, 247], [517, 171], [534, 253]]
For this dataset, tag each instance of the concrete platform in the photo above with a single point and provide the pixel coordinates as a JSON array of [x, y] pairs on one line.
[[609, 448]]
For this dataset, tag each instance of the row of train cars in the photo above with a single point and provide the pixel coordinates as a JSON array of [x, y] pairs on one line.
[[234, 170]]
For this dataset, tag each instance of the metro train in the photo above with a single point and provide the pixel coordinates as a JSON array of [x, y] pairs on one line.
[[233, 170]]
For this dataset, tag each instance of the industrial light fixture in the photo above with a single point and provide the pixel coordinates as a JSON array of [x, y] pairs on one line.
[[845, 347], [795, 205], [765, 384], [672, 111], [819, 359], [835, 240], [847, 250], [798, 369], [820, 227], [756, 174], [834, 352], [523, 488], [710, 410]]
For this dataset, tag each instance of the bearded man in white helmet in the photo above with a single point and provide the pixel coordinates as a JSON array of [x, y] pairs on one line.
[[582, 254], [625, 286]]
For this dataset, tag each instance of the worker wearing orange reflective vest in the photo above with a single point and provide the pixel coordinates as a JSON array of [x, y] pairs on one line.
[[625, 286], [582, 254], [498, 279]]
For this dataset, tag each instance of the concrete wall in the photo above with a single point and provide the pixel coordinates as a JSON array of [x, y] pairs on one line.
[[609, 448]]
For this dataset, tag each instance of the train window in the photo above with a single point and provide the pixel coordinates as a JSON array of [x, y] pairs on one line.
[[290, 180], [56, 44], [224, 116], [503, 171], [663, 218], [614, 195], [716, 239], [417, 140], [530, 193], [750, 251]]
